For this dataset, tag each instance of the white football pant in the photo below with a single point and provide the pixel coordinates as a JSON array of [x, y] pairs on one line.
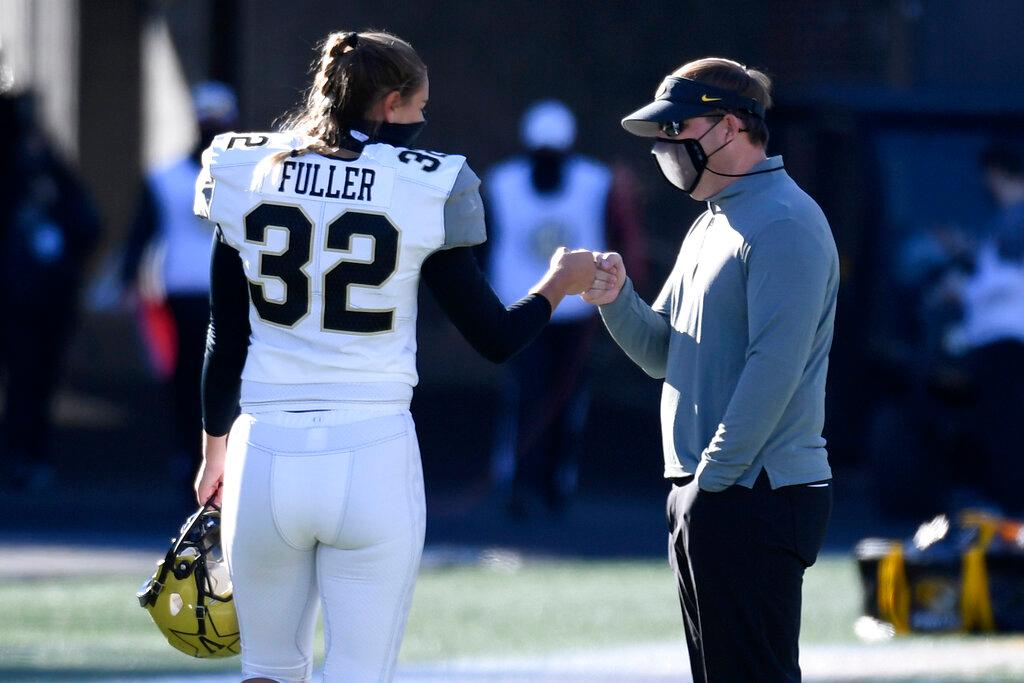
[[323, 508]]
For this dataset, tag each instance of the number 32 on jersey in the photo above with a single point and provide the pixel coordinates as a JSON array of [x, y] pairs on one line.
[[288, 267]]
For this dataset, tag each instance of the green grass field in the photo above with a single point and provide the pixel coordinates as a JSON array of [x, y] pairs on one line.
[[83, 624], [91, 628]]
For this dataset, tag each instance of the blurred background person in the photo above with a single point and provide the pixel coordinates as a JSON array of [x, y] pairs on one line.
[[48, 228], [920, 420], [1003, 167], [991, 335], [166, 269], [943, 437], [547, 197]]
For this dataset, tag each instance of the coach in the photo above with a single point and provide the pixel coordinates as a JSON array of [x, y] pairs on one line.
[[740, 333]]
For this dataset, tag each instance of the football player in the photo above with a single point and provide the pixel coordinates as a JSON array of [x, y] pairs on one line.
[[323, 232]]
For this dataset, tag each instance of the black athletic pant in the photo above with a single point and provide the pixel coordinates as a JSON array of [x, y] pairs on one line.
[[739, 557], [191, 314], [998, 429], [553, 400], [33, 338]]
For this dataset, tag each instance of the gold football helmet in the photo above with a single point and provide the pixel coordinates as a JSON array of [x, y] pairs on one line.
[[189, 596]]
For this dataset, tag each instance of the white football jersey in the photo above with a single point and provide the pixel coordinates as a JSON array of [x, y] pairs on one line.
[[332, 251]]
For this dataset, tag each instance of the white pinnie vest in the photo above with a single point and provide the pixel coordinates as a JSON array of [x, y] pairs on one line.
[[183, 239], [531, 225], [332, 250], [993, 303]]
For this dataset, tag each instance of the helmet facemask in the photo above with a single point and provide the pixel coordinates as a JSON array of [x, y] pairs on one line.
[[190, 596]]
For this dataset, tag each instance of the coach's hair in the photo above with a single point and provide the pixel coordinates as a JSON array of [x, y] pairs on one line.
[[738, 78]]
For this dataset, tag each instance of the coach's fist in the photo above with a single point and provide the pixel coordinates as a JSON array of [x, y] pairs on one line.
[[570, 272], [608, 280]]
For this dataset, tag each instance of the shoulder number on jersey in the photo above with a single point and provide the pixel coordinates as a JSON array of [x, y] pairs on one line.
[[428, 162], [287, 266], [248, 140]]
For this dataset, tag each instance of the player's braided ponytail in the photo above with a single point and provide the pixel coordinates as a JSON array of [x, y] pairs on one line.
[[353, 72], [331, 83]]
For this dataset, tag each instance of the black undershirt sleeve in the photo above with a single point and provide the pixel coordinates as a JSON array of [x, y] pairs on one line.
[[495, 332], [227, 340]]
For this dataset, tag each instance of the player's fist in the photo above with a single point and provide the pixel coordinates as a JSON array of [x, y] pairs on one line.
[[575, 270], [608, 280]]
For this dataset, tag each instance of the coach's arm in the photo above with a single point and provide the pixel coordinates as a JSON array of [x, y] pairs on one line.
[[641, 331]]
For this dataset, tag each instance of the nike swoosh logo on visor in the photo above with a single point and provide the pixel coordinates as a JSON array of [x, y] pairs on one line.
[[705, 98]]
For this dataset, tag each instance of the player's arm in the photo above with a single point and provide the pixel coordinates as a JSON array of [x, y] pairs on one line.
[[227, 339], [227, 345], [454, 276], [495, 332]]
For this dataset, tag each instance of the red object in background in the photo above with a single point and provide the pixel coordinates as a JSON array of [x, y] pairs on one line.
[[626, 233], [159, 335]]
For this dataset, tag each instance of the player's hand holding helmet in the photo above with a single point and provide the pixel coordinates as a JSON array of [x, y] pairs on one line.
[[189, 596]]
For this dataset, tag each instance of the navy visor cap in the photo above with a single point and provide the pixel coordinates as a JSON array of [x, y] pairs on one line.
[[682, 98]]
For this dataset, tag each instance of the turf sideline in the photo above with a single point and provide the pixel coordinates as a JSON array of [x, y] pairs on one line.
[[657, 663]]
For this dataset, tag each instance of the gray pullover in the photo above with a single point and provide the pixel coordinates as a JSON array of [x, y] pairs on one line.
[[741, 333]]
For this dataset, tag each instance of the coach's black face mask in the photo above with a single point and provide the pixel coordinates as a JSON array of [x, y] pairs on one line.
[[395, 134], [683, 162]]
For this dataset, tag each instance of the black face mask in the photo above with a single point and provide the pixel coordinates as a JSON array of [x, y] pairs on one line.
[[683, 162], [395, 134]]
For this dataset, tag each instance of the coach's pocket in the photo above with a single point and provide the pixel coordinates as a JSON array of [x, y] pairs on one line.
[[810, 506], [670, 517]]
